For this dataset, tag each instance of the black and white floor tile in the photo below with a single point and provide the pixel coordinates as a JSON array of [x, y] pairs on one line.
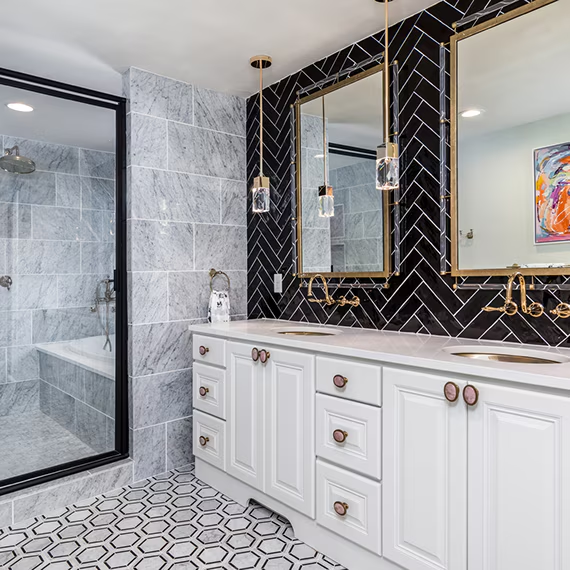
[[170, 522]]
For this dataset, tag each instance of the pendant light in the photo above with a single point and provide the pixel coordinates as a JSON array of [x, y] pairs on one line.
[[260, 190], [387, 159], [326, 198]]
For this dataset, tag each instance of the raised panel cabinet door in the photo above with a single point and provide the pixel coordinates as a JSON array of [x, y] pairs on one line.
[[244, 415], [424, 471], [290, 429], [519, 480]]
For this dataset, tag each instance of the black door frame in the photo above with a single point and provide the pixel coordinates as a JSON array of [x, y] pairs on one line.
[[118, 104]]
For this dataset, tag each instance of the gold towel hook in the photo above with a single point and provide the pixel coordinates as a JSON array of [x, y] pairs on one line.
[[213, 274]]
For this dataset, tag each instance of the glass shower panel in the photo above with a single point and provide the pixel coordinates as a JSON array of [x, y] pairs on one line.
[[57, 302]]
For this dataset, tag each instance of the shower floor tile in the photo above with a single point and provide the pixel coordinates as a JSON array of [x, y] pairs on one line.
[[170, 522], [29, 442]]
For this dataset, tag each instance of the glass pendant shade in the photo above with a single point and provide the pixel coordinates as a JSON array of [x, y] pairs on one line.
[[387, 167], [260, 195], [326, 202]]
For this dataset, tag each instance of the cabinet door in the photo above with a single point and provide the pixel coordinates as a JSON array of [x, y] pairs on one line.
[[290, 429], [519, 479], [244, 415], [424, 473]]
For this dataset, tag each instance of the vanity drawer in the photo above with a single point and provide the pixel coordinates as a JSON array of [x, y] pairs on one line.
[[358, 428], [209, 390], [209, 435], [359, 505], [350, 379], [213, 349]]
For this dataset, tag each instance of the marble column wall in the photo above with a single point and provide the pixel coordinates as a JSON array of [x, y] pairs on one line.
[[187, 214], [56, 242]]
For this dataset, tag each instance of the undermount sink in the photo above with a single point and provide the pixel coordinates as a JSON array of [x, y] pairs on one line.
[[506, 354], [307, 331]]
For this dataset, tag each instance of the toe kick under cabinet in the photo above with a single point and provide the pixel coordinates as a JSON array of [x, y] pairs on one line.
[[381, 467]]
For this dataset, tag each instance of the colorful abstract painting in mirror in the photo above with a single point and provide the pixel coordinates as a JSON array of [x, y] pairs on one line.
[[552, 199]]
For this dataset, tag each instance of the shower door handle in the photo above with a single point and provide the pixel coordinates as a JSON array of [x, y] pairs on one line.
[[6, 281]]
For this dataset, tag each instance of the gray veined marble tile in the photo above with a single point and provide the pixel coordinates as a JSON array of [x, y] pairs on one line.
[[100, 393], [373, 224], [15, 221], [45, 257], [310, 210], [56, 223], [365, 198], [161, 246], [68, 190], [5, 514], [3, 256], [337, 257], [77, 290], [199, 151], [363, 251], [23, 363], [363, 172], [337, 221], [109, 226], [15, 328], [91, 427], [312, 131], [19, 397], [161, 398], [316, 250], [234, 203], [48, 156], [49, 366], [148, 451], [3, 369], [96, 164], [149, 297], [162, 195], [91, 225], [98, 258], [35, 188], [97, 193], [71, 379], [35, 291], [53, 325], [188, 295], [160, 347], [147, 141], [219, 112], [179, 443], [222, 247], [159, 96], [25, 221], [354, 226]]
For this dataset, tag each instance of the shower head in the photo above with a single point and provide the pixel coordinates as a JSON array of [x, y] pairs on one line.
[[13, 162]]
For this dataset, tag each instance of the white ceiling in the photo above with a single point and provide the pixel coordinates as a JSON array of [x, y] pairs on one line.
[[516, 72], [204, 42]]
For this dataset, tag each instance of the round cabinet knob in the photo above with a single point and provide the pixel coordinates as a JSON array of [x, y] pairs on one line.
[[203, 391], [340, 508], [204, 440], [470, 395], [451, 391], [340, 435], [264, 356], [203, 350], [255, 354], [340, 381]]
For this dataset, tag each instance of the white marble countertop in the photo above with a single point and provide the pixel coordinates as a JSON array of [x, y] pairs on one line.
[[406, 349]]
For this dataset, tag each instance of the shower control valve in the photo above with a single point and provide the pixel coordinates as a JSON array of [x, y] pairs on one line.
[[6, 281]]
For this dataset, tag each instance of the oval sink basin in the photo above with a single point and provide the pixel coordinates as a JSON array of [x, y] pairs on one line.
[[506, 354], [307, 331]]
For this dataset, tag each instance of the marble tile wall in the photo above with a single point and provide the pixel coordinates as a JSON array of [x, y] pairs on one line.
[[56, 242], [186, 214]]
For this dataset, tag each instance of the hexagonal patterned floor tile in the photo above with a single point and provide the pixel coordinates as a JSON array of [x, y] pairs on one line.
[[170, 522]]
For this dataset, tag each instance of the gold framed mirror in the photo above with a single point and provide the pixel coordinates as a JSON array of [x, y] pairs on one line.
[[510, 144], [337, 131]]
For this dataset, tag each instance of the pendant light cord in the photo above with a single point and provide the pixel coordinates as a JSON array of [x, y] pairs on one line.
[[325, 145], [260, 118], [386, 77]]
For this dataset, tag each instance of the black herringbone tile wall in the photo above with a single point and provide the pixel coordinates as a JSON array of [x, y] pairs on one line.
[[420, 299]]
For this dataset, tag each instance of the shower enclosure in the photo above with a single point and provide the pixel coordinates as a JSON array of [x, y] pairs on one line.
[[63, 405]]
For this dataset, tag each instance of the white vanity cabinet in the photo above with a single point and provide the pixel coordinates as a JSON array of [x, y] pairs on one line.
[[477, 487]]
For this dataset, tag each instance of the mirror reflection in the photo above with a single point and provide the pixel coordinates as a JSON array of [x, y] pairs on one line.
[[343, 217], [512, 116]]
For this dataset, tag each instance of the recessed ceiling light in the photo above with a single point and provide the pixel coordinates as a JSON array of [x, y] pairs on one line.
[[22, 107], [469, 113]]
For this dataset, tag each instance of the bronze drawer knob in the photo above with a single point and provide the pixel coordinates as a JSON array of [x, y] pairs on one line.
[[264, 356], [204, 440], [470, 395], [203, 391], [203, 350], [255, 354], [451, 391], [340, 435], [340, 508], [340, 381]]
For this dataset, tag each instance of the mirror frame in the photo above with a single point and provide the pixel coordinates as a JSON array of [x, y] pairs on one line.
[[386, 204], [455, 39]]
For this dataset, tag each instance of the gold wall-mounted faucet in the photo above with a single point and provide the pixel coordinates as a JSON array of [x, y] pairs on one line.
[[328, 300], [510, 308]]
